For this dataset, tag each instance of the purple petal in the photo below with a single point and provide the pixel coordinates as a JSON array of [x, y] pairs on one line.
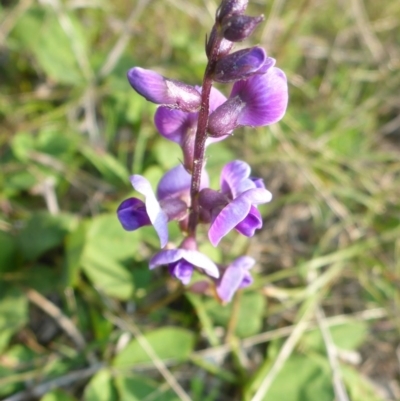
[[216, 99], [160, 90], [175, 209], [132, 214], [169, 256], [266, 98], [229, 217], [230, 282], [250, 223], [256, 196], [235, 178], [157, 217], [149, 84], [175, 124], [182, 270], [204, 262], [235, 276], [166, 257], [247, 280], [244, 262], [174, 183]]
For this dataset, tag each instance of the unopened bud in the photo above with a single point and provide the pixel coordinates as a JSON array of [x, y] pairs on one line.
[[241, 65], [167, 92], [230, 7], [239, 27], [224, 119], [224, 47]]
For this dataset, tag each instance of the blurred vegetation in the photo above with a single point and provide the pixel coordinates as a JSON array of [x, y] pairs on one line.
[[82, 318]]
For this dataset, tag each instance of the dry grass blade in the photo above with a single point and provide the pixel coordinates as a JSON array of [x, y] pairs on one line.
[[338, 385], [63, 381], [63, 321]]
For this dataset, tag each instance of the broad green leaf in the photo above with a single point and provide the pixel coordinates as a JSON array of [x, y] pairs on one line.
[[302, 378], [250, 315], [141, 388], [57, 395], [42, 232], [348, 336], [5, 337], [100, 387], [168, 343], [107, 274], [359, 387], [22, 144], [8, 252], [13, 309], [106, 235]]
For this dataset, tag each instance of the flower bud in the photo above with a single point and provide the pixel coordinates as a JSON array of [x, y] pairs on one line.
[[167, 92], [224, 119], [230, 7], [241, 65], [224, 47], [239, 27]]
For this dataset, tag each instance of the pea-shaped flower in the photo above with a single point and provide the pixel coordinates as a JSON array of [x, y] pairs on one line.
[[171, 202], [257, 101], [181, 262], [235, 206]]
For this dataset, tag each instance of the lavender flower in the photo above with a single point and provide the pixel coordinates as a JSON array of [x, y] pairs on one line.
[[194, 118], [235, 206], [260, 100], [181, 262], [171, 203], [234, 277]]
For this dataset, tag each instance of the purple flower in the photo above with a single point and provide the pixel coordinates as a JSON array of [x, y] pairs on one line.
[[182, 261], [235, 205], [235, 276], [160, 90], [171, 203], [257, 101], [180, 127]]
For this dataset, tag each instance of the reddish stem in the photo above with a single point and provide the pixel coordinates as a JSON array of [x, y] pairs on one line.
[[200, 139]]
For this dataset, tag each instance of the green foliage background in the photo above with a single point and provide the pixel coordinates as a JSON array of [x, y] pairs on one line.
[[82, 318]]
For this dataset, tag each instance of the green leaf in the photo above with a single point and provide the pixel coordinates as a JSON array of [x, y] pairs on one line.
[[302, 378], [100, 387], [360, 389], [348, 336], [57, 395], [108, 275], [141, 388], [22, 144], [13, 310], [8, 252], [168, 343], [250, 315], [42, 232], [106, 235]]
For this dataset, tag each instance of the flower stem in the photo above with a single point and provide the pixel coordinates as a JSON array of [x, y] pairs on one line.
[[200, 139]]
